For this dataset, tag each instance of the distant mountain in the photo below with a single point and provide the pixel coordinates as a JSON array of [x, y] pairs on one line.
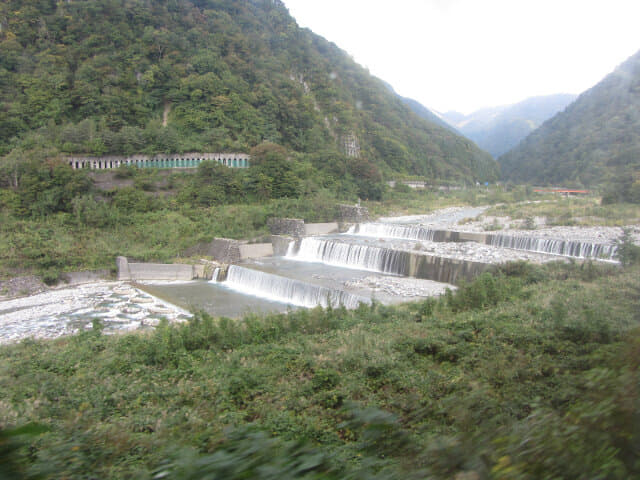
[[138, 76], [593, 139], [422, 111], [499, 129]]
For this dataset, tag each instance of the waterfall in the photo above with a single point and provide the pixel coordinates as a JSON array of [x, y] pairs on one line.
[[349, 255], [287, 290], [216, 274], [390, 230], [569, 248]]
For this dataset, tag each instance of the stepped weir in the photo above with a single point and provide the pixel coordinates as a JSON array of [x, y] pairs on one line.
[[287, 290], [390, 260], [551, 246]]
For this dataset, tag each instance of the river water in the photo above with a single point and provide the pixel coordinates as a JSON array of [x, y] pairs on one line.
[[361, 266]]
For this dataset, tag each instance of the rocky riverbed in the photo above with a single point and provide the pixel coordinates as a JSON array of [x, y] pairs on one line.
[[539, 228], [401, 288], [28, 308], [63, 311], [21, 286], [473, 219]]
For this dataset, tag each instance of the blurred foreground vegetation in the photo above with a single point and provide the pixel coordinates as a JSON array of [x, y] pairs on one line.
[[533, 372]]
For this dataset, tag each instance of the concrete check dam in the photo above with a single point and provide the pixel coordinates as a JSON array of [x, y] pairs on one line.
[[386, 261]]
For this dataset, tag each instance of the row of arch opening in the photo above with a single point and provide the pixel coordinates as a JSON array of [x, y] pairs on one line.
[[169, 162]]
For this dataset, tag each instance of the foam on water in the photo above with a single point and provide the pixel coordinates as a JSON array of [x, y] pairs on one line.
[[286, 290], [351, 255]]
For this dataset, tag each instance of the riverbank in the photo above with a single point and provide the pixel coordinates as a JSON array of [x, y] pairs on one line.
[[118, 306], [467, 387]]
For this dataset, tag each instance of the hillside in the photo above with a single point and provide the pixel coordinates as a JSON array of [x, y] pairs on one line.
[[422, 111], [595, 138], [135, 76], [498, 129]]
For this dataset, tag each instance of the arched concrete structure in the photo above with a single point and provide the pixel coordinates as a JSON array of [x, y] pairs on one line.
[[186, 160]]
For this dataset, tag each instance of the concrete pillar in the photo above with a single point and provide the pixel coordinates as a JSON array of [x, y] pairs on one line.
[[122, 265]]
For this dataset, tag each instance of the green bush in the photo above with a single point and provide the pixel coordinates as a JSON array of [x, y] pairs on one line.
[[628, 252]]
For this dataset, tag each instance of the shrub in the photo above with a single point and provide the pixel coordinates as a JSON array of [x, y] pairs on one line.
[[628, 252]]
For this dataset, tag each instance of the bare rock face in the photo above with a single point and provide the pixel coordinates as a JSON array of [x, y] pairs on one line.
[[21, 286]]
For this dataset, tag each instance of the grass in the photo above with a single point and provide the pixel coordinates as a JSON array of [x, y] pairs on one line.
[[562, 211], [410, 202], [59, 243], [527, 374]]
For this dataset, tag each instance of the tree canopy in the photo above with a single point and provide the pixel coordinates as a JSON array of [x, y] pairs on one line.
[[141, 76]]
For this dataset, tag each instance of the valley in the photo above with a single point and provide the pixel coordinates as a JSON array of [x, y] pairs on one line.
[[229, 250]]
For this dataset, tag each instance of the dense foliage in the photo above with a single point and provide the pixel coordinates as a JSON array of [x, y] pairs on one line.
[[141, 76], [530, 373], [594, 141], [57, 221]]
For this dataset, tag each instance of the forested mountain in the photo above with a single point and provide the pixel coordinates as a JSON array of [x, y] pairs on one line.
[[142, 76], [498, 129], [422, 111], [594, 140]]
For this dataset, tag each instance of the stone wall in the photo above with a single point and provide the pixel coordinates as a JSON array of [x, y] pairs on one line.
[[281, 244], [227, 250], [353, 214], [223, 250], [286, 226]]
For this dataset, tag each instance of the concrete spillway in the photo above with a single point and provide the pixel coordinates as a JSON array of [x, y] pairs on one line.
[[551, 246], [554, 246], [351, 255], [332, 251], [391, 230], [287, 290]]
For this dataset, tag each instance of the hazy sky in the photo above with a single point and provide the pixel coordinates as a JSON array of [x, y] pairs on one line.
[[467, 54]]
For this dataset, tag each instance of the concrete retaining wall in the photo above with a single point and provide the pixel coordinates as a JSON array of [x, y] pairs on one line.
[[451, 236], [256, 250], [320, 228], [447, 270], [159, 271], [76, 278]]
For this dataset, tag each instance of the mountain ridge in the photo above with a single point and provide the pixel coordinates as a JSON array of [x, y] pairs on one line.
[[592, 140], [104, 77], [498, 129]]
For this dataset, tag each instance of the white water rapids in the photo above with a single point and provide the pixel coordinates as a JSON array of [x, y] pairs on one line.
[[286, 290], [351, 255], [520, 241]]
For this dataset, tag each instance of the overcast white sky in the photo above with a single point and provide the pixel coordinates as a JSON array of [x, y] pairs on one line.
[[466, 54]]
